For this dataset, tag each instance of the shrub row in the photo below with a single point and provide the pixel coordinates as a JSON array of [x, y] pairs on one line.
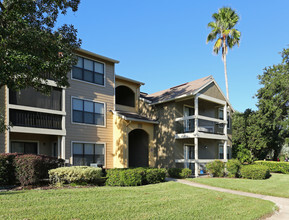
[[26, 169], [235, 169], [179, 172], [275, 167], [256, 172], [135, 176], [76, 174]]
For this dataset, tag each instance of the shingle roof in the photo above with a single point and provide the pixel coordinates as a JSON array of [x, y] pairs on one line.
[[180, 90]]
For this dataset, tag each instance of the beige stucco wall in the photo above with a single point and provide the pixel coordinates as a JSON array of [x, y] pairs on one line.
[[91, 133], [121, 129], [3, 136], [135, 88]]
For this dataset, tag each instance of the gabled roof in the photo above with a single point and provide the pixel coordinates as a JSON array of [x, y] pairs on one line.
[[183, 90], [179, 91]]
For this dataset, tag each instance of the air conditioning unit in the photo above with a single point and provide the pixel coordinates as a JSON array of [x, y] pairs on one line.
[[93, 165]]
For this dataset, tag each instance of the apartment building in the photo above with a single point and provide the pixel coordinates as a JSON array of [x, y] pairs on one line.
[[103, 118]]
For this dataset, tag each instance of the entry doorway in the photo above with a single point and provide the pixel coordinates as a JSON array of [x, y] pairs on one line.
[[138, 141]]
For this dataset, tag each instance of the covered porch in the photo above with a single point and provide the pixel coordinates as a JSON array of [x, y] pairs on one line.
[[27, 143]]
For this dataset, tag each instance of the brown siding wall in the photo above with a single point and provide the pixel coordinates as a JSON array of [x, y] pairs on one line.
[[91, 133], [3, 138], [165, 135], [213, 91]]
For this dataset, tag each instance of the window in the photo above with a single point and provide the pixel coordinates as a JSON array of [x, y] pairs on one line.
[[87, 112], [86, 153], [189, 125], [89, 71], [24, 147], [189, 152], [221, 116], [221, 151]]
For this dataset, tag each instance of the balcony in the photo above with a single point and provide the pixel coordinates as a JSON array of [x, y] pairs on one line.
[[211, 128], [35, 119]]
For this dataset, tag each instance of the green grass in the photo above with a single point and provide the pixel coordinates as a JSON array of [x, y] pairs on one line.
[[159, 201], [276, 185]]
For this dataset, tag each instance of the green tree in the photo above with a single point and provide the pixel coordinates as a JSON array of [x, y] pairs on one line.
[[222, 29], [273, 103], [32, 50]]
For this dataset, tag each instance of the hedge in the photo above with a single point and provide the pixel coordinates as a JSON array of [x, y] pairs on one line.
[[275, 167], [135, 176], [257, 172], [179, 172], [76, 174], [7, 169], [31, 169]]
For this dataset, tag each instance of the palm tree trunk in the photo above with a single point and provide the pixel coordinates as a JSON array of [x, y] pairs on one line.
[[226, 76]]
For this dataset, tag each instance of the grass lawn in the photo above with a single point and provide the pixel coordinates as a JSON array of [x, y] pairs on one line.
[[159, 201], [276, 185]]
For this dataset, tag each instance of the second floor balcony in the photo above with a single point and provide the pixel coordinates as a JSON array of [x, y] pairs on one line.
[[35, 119]]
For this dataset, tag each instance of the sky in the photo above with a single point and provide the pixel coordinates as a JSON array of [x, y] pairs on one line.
[[163, 42]]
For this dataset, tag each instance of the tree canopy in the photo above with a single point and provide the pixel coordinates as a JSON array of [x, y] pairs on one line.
[[266, 129], [32, 49]]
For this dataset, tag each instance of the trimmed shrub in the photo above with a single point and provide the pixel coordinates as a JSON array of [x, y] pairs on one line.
[[76, 174], [275, 167], [186, 173], [155, 175], [135, 176], [7, 169], [179, 173], [233, 167], [256, 172], [175, 172], [30, 169], [216, 168]]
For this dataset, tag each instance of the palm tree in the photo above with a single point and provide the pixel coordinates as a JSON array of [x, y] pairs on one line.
[[227, 36]]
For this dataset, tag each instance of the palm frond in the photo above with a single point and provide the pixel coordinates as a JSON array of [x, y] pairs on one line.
[[217, 46], [211, 36]]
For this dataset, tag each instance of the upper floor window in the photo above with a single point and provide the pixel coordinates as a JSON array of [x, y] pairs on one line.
[[87, 112], [124, 96], [221, 116], [89, 71]]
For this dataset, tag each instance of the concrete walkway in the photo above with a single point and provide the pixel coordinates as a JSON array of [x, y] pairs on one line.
[[282, 203]]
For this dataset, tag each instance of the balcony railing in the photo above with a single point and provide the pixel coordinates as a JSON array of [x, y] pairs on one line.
[[35, 119], [204, 126]]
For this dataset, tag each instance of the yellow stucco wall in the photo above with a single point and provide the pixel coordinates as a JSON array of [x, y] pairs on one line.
[[121, 129]]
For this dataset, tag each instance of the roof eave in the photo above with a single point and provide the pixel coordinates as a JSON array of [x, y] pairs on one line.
[[97, 55]]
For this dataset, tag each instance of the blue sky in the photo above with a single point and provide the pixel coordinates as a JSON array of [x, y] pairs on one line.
[[163, 42]]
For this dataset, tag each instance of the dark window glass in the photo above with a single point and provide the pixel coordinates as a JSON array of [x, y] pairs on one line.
[[89, 71], [24, 147], [87, 112], [85, 154], [77, 73]]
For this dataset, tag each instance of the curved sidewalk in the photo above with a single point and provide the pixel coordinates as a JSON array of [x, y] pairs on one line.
[[282, 203]]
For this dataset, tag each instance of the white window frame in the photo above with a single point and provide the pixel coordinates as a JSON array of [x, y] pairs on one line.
[[220, 146], [85, 142], [94, 125], [95, 84], [229, 153]]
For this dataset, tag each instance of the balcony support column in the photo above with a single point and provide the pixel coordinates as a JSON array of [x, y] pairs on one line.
[[225, 132], [196, 105], [196, 156]]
